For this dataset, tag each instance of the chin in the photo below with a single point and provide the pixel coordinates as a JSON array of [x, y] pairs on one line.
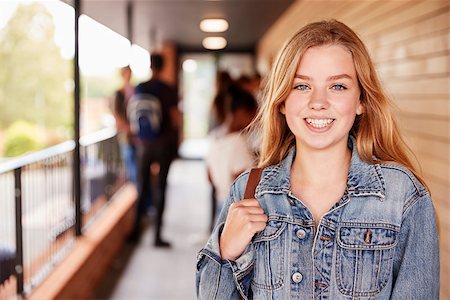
[[321, 143]]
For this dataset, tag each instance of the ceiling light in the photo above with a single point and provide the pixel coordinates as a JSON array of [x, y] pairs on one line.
[[214, 43], [214, 25]]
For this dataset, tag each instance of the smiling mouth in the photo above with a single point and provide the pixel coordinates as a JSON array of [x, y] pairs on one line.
[[319, 123]]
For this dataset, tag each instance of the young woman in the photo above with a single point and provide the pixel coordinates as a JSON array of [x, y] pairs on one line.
[[340, 211]]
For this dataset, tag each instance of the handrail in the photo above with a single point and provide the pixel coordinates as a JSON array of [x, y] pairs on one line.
[[98, 136], [26, 159], [67, 146]]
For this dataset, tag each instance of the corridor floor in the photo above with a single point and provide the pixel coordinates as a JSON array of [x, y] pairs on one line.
[[146, 272]]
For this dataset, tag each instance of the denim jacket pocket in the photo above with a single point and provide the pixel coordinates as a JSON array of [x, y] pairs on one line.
[[364, 257], [269, 247]]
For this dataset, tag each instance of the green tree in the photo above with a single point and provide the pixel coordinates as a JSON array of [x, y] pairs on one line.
[[20, 138], [33, 75]]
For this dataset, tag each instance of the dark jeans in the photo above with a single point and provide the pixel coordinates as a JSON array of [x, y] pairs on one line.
[[129, 159], [147, 155]]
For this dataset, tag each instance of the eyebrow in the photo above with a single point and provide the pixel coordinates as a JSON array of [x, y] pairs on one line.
[[334, 77]]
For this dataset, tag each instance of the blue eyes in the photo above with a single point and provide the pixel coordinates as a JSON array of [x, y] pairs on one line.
[[301, 87], [304, 87], [338, 87]]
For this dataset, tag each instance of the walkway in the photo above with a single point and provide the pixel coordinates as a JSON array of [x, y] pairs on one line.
[[145, 272]]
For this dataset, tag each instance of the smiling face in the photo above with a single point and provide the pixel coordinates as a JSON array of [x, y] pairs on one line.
[[324, 100]]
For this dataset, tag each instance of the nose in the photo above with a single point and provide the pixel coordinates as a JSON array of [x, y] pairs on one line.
[[318, 100]]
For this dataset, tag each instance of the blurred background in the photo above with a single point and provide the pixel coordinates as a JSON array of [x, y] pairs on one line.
[[66, 204]]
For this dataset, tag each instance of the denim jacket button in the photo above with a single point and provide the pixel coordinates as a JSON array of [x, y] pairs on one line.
[[301, 234], [297, 277]]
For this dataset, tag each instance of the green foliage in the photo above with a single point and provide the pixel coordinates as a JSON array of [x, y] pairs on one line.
[[21, 137], [33, 75]]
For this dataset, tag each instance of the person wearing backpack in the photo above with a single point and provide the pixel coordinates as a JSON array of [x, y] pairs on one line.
[[154, 119]]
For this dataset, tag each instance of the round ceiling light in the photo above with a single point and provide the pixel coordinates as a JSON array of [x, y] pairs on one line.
[[214, 42], [214, 25]]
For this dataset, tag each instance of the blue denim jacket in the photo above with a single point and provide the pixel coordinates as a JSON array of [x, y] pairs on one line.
[[379, 241]]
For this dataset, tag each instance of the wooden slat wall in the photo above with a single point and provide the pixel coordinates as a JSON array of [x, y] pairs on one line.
[[410, 44]]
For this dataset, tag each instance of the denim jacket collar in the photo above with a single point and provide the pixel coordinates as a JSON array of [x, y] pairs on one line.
[[363, 179]]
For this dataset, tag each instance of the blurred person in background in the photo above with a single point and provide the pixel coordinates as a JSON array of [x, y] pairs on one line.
[[125, 136], [219, 105], [256, 86], [229, 151], [251, 84], [245, 82], [155, 120], [219, 108]]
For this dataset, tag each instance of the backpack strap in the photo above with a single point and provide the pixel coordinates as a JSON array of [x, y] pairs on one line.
[[252, 183]]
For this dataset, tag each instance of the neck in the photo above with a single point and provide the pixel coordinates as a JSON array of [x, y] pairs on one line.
[[321, 167], [156, 74]]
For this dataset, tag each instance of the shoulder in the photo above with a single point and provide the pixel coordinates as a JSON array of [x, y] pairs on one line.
[[142, 87], [143, 84], [161, 86], [218, 132], [400, 182], [236, 138], [165, 86], [239, 184], [396, 174]]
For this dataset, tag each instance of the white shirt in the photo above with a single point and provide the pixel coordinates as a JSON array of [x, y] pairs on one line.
[[228, 156]]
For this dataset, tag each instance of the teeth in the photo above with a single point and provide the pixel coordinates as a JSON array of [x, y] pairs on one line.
[[319, 123]]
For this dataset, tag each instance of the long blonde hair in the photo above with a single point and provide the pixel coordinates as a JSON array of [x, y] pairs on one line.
[[376, 131]]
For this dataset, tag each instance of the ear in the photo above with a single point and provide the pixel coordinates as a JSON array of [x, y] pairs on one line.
[[359, 108], [283, 109]]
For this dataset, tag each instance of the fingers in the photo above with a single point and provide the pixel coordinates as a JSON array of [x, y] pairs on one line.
[[248, 202], [246, 208], [249, 214], [259, 226], [258, 218], [256, 223], [254, 210]]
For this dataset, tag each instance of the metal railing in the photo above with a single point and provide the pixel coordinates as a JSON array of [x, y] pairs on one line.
[[102, 172], [37, 209]]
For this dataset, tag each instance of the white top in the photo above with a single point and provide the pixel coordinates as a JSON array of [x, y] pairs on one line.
[[228, 156]]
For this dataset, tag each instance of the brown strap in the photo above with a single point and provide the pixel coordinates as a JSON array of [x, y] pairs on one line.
[[253, 180]]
